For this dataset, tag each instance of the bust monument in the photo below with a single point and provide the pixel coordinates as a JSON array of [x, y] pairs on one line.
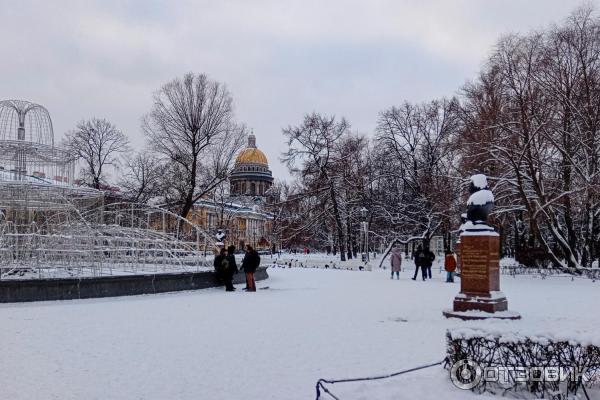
[[480, 296]]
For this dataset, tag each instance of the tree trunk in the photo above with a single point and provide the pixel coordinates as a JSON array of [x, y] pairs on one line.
[[350, 247], [338, 220], [189, 198]]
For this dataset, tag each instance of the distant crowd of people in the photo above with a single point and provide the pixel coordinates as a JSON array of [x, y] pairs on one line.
[[226, 267], [305, 250], [423, 259]]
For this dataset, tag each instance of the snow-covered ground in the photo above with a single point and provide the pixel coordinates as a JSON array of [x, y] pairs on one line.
[[272, 344]]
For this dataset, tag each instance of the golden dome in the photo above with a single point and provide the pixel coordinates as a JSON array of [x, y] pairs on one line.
[[251, 155]]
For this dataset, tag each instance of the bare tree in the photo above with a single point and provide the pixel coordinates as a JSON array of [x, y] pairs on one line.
[[191, 126], [533, 117], [141, 180], [97, 143], [418, 170], [530, 121], [312, 155]]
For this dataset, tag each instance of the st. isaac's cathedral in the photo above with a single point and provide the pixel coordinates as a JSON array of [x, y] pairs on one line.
[[251, 175], [242, 216]]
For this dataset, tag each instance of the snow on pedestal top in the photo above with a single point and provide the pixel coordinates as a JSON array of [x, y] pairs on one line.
[[479, 181]]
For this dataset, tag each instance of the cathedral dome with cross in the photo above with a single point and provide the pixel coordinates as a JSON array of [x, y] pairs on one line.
[[251, 175]]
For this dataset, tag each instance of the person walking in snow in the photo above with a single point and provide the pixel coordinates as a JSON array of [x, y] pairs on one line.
[[429, 257], [396, 262], [250, 263], [218, 264], [229, 268], [449, 265], [420, 259]]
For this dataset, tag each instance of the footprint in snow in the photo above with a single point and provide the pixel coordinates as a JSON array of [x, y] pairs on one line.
[[397, 319]]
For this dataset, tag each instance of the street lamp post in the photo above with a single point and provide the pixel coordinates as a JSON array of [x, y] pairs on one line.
[[365, 233]]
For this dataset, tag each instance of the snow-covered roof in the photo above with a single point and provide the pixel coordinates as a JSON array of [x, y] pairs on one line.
[[231, 207]]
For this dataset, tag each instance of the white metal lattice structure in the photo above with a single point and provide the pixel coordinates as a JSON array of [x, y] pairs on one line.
[[50, 227], [116, 239], [25, 121], [27, 150]]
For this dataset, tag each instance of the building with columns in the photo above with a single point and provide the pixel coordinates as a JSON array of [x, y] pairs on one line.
[[242, 216]]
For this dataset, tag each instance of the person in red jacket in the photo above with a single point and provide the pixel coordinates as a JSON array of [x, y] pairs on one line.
[[450, 265]]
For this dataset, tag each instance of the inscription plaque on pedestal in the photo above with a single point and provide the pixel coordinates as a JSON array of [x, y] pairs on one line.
[[481, 263]]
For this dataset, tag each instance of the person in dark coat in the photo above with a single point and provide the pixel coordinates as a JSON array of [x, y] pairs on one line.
[[218, 264], [230, 268], [429, 257], [420, 260], [250, 263]]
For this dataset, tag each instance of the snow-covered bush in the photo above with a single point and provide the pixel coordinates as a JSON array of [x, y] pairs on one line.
[[513, 354]]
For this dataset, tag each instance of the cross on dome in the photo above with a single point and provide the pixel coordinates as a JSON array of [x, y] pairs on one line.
[[252, 140]]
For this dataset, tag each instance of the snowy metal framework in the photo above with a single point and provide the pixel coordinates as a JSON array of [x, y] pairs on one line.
[[50, 227], [27, 151]]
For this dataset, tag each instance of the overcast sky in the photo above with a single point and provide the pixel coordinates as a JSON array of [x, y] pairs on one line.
[[280, 59]]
